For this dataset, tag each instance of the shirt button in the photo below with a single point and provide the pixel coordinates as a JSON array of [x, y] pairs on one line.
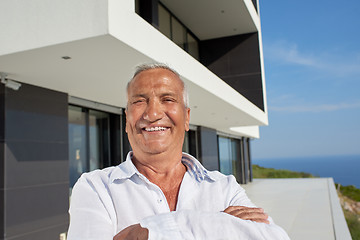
[[159, 200]]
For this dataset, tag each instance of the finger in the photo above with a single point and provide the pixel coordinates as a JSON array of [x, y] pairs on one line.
[[256, 215], [242, 208], [247, 212], [260, 220], [251, 216], [237, 211]]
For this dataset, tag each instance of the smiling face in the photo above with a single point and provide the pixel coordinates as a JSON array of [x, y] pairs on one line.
[[156, 117]]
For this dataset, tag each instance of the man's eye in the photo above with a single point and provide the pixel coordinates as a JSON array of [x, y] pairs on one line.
[[138, 101], [169, 100]]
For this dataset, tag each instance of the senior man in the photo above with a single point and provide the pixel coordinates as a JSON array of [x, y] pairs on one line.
[[160, 192]]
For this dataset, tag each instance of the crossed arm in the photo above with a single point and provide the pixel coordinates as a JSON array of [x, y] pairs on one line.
[[136, 232], [93, 216]]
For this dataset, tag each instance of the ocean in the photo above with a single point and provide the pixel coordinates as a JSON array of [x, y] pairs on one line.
[[344, 169]]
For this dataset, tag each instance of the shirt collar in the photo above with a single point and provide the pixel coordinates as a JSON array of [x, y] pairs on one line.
[[127, 169], [195, 169]]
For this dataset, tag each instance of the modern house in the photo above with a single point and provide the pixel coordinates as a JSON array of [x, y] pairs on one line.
[[64, 67]]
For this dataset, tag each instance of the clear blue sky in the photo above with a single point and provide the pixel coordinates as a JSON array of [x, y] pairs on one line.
[[312, 72]]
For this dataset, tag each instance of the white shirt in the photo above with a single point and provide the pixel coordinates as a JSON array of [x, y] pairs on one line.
[[104, 202]]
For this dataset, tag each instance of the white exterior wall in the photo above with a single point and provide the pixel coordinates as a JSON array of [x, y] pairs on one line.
[[40, 23]]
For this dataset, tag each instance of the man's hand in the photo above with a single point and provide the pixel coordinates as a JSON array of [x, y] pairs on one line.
[[133, 232], [247, 213]]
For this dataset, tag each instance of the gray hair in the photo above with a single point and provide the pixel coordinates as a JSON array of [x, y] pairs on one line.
[[147, 66]]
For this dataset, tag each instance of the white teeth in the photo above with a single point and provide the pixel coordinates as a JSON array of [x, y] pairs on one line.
[[152, 129]]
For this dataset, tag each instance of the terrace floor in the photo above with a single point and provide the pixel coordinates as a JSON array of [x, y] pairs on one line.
[[306, 208]]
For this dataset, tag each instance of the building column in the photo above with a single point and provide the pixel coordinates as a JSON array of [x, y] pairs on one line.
[[242, 162], [249, 160], [246, 160]]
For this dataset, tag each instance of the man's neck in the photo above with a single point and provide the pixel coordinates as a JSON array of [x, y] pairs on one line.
[[159, 165], [164, 171]]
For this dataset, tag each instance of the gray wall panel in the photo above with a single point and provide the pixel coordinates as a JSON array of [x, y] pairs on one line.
[[35, 163], [34, 208], [37, 151], [43, 234], [249, 86], [36, 114], [27, 173], [22, 124], [236, 60]]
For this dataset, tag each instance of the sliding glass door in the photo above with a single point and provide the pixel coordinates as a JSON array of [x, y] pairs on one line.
[[229, 156], [89, 141]]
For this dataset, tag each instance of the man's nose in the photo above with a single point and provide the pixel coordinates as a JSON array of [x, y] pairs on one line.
[[153, 111]]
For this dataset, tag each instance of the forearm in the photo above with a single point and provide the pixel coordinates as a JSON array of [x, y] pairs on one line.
[[204, 225]]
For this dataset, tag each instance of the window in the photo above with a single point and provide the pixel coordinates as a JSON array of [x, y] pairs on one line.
[[77, 143], [225, 156], [99, 152], [171, 27], [90, 140], [164, 21], [229, 156], [178, 33], [137, 7], [192, 46]]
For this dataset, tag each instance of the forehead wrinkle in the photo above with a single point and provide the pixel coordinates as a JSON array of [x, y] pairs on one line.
[[156, 94], [172, 94], [138, 95]]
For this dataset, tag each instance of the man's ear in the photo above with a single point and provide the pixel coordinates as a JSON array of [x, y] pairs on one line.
[[187, 119]]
